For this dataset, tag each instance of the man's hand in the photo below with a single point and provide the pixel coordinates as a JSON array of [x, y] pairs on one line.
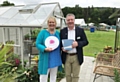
[[48, 49], [64, 50], [75, 44]]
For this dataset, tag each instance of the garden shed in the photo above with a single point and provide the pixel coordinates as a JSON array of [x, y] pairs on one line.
[[17, 21]]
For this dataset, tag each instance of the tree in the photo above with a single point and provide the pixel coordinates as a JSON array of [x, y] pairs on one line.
[[92, 14], [6, 3]]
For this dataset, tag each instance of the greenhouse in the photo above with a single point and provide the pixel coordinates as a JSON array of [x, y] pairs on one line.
[[16, 22]]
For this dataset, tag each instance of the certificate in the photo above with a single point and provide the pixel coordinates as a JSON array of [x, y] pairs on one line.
[[67, 44]]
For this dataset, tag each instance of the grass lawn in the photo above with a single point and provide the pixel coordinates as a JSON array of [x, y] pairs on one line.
[[97, 41]]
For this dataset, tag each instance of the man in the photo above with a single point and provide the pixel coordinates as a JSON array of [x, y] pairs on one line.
[[73, 59]]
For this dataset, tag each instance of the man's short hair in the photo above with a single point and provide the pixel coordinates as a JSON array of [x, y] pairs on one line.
[[70, 14]]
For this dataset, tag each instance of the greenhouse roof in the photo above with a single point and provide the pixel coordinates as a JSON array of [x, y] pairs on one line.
[[31, 15]]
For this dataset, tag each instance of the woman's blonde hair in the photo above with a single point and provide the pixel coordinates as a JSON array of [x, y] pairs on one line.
[[52, 17]]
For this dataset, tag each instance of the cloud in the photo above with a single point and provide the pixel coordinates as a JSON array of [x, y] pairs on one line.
[[71, 3], [86, 3]]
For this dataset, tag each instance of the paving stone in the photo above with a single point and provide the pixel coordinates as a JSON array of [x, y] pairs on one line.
[[86, 72]]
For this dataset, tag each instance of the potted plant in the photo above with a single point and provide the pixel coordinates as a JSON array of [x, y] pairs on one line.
[[26, 37], [34, 33]]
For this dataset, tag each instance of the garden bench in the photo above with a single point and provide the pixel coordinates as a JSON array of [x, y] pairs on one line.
[[106, 63]]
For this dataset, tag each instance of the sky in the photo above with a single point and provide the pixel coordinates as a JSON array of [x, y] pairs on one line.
[[71, 3]]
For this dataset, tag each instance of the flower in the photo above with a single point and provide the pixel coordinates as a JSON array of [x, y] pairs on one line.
[[13, 69], [17, 62], [35, 59], [28, 73], [25, 72]]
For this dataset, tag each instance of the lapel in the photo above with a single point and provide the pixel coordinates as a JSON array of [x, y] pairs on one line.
[[75, 33], [66, 33]]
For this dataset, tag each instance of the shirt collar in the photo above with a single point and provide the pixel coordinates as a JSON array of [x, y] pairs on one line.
[[72, 29]]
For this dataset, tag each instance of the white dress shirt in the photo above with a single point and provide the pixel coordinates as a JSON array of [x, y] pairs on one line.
[[71, 35]]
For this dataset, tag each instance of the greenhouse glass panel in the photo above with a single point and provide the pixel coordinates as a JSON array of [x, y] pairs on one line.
[[11, 12], [22, 15], [28, 9], [44, 11], [58, 22], [41, 14], [36, 14], [9, 16], [16, 22], [4, 9], [32, 21], [58, 12], [3, 20], [19, 18]]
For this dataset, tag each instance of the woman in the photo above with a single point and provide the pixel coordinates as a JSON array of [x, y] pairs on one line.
[[49, 59]]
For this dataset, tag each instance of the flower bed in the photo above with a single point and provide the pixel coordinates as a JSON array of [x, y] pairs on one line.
[[12, 70]]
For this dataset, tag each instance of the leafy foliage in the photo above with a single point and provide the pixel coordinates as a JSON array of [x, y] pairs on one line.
[[5, 67], [6, 3], [27, 75], [5, 53], [11, 70], [117, 76], [92, 14], [34, 33]]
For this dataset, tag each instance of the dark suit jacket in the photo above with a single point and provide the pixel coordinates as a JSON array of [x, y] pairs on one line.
[[80, 37]]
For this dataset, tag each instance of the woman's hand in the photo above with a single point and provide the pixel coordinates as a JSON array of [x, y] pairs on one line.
[[48, 49]]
